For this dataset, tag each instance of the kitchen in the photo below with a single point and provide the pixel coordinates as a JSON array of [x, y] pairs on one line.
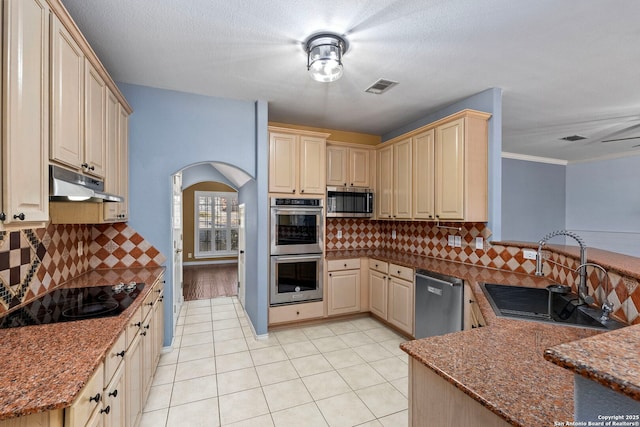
[[236, 122]]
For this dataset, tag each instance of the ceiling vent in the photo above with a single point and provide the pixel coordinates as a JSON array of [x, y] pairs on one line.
[[573, 138], [381, 86]]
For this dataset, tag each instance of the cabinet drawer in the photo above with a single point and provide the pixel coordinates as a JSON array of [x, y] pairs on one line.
[[133, 327], [343, 264], [149, 300], [114, 357], [377, 265], [89, 398], [294, 312], [405, 273]]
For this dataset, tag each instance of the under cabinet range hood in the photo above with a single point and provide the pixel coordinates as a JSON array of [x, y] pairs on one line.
[[69, 186]]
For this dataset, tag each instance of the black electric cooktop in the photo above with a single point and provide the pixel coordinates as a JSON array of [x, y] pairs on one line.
[[65, 305]]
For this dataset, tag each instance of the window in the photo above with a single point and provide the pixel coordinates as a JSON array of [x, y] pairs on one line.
[[216, 224]]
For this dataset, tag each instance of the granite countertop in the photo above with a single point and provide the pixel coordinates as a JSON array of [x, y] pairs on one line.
[[503, 365], [44, 367]]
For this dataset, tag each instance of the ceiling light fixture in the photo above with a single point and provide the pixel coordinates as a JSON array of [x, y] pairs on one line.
[[324, 56]]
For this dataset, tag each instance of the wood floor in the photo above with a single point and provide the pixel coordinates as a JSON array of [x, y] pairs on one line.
[[209, 281]]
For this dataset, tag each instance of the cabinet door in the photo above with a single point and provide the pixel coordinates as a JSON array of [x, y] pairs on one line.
[[359, 167], [67, 81], [402, 179], [312, 165], [25, 118], [112, 174], [114, 399], [423, 175], [158, 330], [283, 163], [400, 312], [337, 166], [123, 163], [385, 183], [147, 356], [344, 292], [449, 166], [95, 153], [133, 381], [378, 294]]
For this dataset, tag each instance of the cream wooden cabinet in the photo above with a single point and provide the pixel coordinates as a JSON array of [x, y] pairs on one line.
[[343, 286], [473, 317], [297, 161], [401, 301], [123, 163], [391, 294], [24, 179], [385, 183], [378, 287], [95, 147], [348, 166], [112, 136], [133, 375], [113, 407], [423, 175], [295, 312], [88, 403], [402, 179]]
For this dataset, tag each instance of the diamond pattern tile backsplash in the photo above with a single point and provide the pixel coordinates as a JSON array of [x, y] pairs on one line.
[[33, 262], [425, 239]]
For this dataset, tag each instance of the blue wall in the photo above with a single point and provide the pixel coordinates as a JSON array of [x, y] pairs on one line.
[[533, 199], [169, 131], [603, 203], [489, 101]]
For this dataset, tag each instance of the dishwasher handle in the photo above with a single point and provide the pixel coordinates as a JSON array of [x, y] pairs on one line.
[[438, 278]]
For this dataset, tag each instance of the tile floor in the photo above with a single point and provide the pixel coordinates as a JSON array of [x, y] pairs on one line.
[[341, 373]]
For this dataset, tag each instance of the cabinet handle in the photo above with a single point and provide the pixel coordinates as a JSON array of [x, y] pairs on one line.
[[106, 410], [3, 216], [92, 168], [297, 313], [114, 393], [144, 334], [137, 324], [150, 304], [294, 190], [20, 216], [345, 184], [96, 398], [437, 216], [345, 265], [398, 271], [161, 298], [330, 275], [121, 354], [147, 327], [85, 165], [352, 184], [302, 191]]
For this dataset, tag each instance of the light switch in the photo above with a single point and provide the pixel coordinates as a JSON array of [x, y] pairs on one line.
[[479, 243], [393, 234], [451, 240], [339, 234], [457, 240]]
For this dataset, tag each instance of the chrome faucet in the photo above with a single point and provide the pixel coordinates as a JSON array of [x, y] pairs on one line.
[[607, 307], [583, 290]]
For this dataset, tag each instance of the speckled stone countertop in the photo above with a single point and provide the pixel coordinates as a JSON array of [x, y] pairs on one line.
[[503, 365], [44, 367]]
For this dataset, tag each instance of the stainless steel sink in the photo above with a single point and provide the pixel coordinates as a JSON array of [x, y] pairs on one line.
[[520, 302]]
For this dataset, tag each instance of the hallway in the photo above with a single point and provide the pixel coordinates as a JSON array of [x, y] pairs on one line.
[[210, 281]]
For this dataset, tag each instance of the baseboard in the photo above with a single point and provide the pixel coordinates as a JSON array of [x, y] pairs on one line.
[[221, 262]]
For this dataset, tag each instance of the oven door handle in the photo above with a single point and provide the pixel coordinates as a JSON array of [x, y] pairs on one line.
[[297, 257]]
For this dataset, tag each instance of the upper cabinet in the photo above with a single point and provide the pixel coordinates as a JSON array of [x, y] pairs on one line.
[[348, 166], [25, 114], [437, 172], [297, 161]]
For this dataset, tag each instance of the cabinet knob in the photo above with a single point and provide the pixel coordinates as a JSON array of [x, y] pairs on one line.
[[95, 398], [144, 334], [297, 313], [345, 265], [85, 165], [92, 168], [302, 191], [106, 410], [19, 216], [150, 304], [398, 271], [294, 190], [330, 275], [137, 324], [345, 184], [114, 393], [147, 327], [3, 216], [121, 354], [352, 184]]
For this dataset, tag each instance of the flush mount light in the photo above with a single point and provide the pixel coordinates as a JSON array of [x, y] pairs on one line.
[[324, 56]]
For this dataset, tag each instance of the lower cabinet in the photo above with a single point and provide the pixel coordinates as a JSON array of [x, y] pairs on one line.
[[295, 312], [378, 293], [133, 382], [88, 403], [391, 294], [343, 286], [400, 307], [113, 405]]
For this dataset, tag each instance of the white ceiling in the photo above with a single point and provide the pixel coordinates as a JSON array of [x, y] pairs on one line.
[[566, 67]]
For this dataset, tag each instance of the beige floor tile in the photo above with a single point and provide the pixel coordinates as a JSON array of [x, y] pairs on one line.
[[199, 311], [372, 423], [196, 328], [393, 346], [164, 374], [404, 358], [276, 372], [227, 334], [286, 395], [235, 381], [219, 308], [198, 303], [200, 318], [300, 349], [343, 358], [195, 352], [180, 321], [372, 352], [226, 324], [261, 421], [195, 339], [195, 369], [232, 362], [154, 418], [361, 376], [242, 405], [328, 344], [325, 385], [310, 365], [230, 346], [366, 323], [159, 397], [381, 334], [307, 415], [195, 389], [180, 328], [399, 419], [222, 300], [222, 315], [340, 328], [255, 343], [288, 336], [391, 368], [318, 331], [169, 358], [200, 413], [383, 399], [402, 385], [344, 410], [262, 356], [356, 339]]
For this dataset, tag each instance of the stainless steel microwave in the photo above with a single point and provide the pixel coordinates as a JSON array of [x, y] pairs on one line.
[[349, 202]]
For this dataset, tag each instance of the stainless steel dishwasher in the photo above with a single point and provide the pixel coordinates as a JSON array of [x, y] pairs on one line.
[[438, 304]]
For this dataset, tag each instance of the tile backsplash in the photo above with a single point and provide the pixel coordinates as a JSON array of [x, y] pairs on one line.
[[426, 239], [32, 262]]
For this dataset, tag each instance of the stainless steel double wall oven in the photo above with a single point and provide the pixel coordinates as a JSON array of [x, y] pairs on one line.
[[296, 250]]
